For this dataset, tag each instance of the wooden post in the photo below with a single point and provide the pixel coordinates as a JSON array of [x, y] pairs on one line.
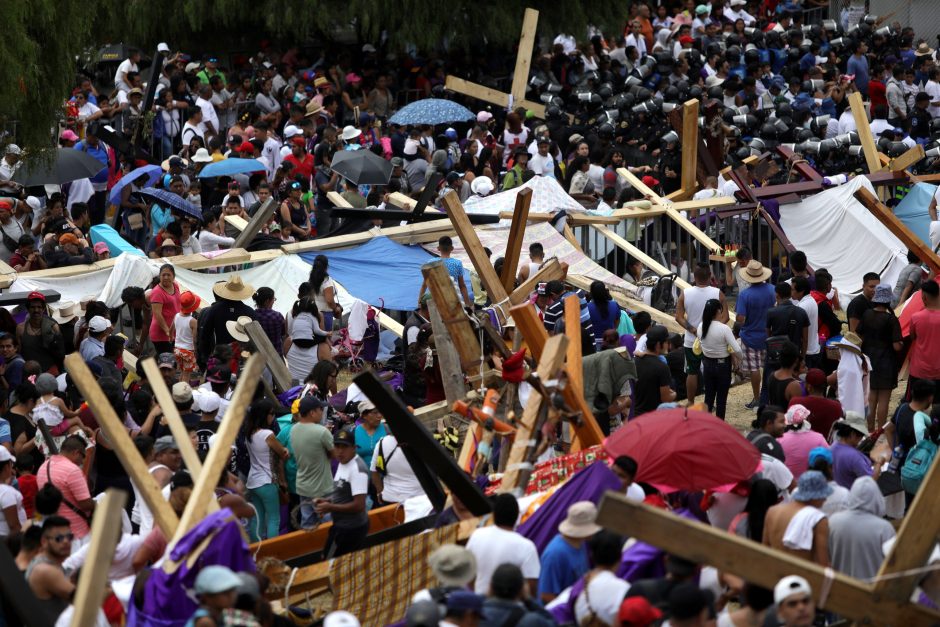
[[448, 358], [632, 250], [516, 233], [756, 563], [272, 359], [337, 200], [517, 466], [550, 271], [864, 132], [520, 75], [172, 417], [105, 535], [689, 146], [899, 229], [458, 328], [163, 515], [262, 215], [909, 158], [574, 361], [427, 194], [221, 450]]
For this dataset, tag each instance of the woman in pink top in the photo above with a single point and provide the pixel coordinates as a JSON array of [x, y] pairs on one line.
[[799, 439], [165, 303]]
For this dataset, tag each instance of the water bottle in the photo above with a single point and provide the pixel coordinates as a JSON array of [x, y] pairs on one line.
[[896, 456]]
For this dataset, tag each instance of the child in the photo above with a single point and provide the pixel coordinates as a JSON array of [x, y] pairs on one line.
[[216, 588], [186, 328], [195, 192], [26, 482], [53, 411]]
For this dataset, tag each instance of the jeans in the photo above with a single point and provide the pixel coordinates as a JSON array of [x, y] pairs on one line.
[[309, 518], [717, 376], [267, 504]]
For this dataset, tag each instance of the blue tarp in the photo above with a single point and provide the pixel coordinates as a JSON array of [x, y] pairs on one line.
[[381, 271], [912, 210]]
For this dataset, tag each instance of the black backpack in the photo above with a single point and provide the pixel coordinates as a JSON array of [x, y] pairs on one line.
[[661, 297]]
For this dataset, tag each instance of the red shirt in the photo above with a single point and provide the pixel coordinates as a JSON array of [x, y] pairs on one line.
[[877, 93], [28, 488], [823, 412], [925, 325], [304, 167]]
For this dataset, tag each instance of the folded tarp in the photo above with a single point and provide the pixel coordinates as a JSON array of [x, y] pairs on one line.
[[912, 210], [547, 197]]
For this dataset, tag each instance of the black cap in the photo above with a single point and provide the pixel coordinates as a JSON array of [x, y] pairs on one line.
[[344, 437], [656, 334], [555, 287]]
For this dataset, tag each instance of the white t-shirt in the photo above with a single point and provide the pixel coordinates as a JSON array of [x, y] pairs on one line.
[[191, 130], [399, 483], [184, 332], [809, 305], [350, 472], [695, 298], [720, 337], [933, 90], [260, 455], [493, 546], [542, 166], [606, 592], [208, 114], [121, 566], [318, 297], [10, 497], [126, 66]]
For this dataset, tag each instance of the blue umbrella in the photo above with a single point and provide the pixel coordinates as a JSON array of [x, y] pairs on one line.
[[228, 167], [152, 172], [169, 199], [431, 111]]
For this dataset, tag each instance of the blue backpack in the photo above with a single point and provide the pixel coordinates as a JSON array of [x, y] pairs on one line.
[[918, 465]]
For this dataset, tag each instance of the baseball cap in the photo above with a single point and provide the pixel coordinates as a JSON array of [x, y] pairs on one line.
[[68, 238], [165, 443], [290, 131], [35, 296], [344, 437], [484, 116], [817, 453], [101, 248], [816, 377], [310, 403], [215, 579], [182, 392], [638, 611], [209, 401], [6, 456], [340, 618], [218, 374], [166, 360], [98, 324], [464, 601], [365, 406], [789, 586], [398, 162]]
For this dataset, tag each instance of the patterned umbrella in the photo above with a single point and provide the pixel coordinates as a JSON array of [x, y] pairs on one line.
[[152, 172], [228, 167], [431, 111], [169, 199]]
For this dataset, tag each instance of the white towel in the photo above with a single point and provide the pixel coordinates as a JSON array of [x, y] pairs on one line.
[[799, 533]]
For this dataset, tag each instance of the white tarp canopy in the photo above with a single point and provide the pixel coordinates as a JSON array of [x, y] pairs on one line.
[[547, 197], [839, 234]]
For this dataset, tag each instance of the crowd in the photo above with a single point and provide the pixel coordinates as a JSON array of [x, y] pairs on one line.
[[821, 371]]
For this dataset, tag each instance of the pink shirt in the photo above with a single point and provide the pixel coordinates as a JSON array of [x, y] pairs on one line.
[[796, 447], [74, 488], [925, 325], [171, 307]]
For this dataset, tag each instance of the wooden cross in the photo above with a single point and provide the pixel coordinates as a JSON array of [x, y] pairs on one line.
[[172, 417], [261, 217], [884, 214], [105, 535], [764, 566], [876, 161]]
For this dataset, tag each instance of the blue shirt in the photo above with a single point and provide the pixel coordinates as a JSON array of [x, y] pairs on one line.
[[6, 436], [365, 444], [101, 154], [562, 565], [754, 303], [859, 67]]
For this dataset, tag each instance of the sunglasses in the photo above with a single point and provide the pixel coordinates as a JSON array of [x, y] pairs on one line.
[[295, 185], [63, 536]]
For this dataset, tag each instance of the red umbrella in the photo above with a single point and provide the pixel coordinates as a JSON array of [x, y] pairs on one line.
[[681, 449]]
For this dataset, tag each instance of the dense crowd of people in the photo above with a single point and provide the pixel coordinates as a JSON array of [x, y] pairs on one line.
[[822, 372]]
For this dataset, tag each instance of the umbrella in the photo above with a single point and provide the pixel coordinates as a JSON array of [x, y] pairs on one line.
[[431, 111], [228, 167], [67, 165], [152, 172], [362, 167], [682, 449], [170, 199]]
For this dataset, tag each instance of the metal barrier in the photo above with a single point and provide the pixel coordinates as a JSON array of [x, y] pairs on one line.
[[815, 15]]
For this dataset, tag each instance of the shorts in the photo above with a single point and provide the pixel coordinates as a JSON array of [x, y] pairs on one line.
[[186, 359], [693, 362], [753, 359]]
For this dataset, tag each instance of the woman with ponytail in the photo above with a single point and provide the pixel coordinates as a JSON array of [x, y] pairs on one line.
[[717, 345]]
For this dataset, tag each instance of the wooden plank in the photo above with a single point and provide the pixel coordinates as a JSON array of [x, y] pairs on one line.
[[864, 132], [238, 222], [633, 304], [520, 75], [480, 92], [471, 243], [393, 215], [518, 467], [909, 158], [427, 195], [272, 359], [397, 233], [899, 229], [704, 203], [570, 236], [337, 200], [799, 164], [776, 191], [453, 316], [400, 200], [755, 563], [633, 251], [92, 582], [220, 451], [172, 417], [550, 271], [528, 325], [517, 230], [163, 515], [574, 361], [448, 358], [689, 146], [198, 261], [391, 324], [261, 217]]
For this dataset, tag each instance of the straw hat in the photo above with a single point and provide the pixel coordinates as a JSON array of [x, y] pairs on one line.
[[755, 272], [166, 163], [313, 108], [453, 565], [233, 289], [236, 328], [65, 311], [923, 50], [851, 342], [580, 521]]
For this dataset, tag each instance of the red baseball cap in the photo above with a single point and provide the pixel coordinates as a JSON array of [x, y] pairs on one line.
[[638, 612], [35, 296], [649, 181], [298, 141], [245, 147], [686, 39]]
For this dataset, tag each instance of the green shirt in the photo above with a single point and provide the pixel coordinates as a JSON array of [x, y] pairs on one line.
[[204, 76], [312, 444], [290, 466]]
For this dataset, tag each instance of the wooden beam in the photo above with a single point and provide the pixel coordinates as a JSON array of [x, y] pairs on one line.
[[631, 303], [448, 358], [400, 200], [163, 515], [172, 417], [899, 229], [272, 359], [550, 271], [520, 75], [632, 250], [221, 449], [402, 234], [799, 164], [458, 327], [864, 132], [518, 467], [704, 203], [427, 195], [337, 200], [238, 222], [480, 92], [574, 361], [689, 146], [755, 563], [909, 158], [105, 534], [261, 217], [516, 231]]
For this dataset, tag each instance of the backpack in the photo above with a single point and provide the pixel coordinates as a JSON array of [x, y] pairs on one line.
[[775, 344], [918, 465], [661, 297]]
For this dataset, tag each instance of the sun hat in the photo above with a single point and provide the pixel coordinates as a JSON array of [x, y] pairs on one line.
[[851, 342], [236, 328], [313, 108], [481, 185], [923, 49], [202, 156], [790, 585], [638, 612], [98, 324], [819, 452], [166, 360], [168, 243], [713, 81], [365, 406], [580, 521], [755, 272], [65, 311], [165, 443], [854, 420], [797, 415], [182, 392], [340, 618], [576, 138], [812, 486], [453, 565], [883, 294], [189, 302], [321, 81], [215, 579], [350, 133], [233, 289]]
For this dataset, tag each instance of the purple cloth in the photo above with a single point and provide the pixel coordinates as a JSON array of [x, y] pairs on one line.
[[848, 464], [645, 561], [588, 484], [166, 602]]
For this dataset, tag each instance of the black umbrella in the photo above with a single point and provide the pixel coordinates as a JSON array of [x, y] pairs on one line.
[[66, 165], [362, 167]]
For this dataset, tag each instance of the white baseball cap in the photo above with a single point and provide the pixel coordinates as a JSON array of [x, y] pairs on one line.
[[291, 131], [790, 585], [340, 619], [98, 324], [209, 401], [6, 456]]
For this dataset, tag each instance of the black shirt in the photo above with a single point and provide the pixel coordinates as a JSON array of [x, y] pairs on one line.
[[904, 423], [204, 431], [787, 319], [651, 374], [857, 307]]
